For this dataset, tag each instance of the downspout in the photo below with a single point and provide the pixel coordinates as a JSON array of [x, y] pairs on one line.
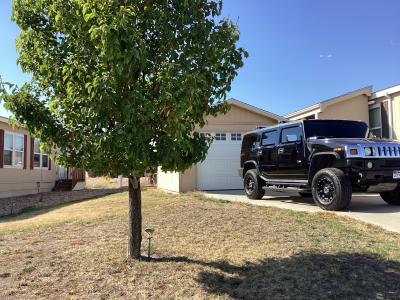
[[390, 103]]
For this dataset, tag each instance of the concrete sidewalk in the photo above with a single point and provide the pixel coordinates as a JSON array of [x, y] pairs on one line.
[[369, 208]]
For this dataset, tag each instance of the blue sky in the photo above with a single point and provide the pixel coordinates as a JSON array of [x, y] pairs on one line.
[[301, 52]]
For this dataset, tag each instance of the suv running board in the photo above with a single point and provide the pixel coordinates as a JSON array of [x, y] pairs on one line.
[[292, 182], [273, 188], [286, 185]]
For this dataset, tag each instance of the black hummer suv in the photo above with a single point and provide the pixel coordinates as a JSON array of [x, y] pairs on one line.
[[328, 159]]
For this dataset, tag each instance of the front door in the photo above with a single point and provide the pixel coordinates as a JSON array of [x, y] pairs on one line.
[[267, 155], [290, 151]]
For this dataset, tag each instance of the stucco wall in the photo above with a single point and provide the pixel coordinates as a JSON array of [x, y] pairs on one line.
[[355, 108], [16, 181], [238, 119], [169, 181], [188, 180]]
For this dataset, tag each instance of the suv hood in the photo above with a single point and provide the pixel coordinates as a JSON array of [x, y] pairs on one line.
[[341, 142], [351, 141]]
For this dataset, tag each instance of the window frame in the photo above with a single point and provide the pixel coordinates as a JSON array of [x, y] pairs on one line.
[[13, 150], [289, 127], [379, 108], [218, 136], [41, 154], [236, 136], [276, 142]]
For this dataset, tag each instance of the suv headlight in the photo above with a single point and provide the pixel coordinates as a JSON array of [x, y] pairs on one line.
[[368, 151]]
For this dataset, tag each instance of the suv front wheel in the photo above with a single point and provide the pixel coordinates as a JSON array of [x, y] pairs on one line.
[[393, 197], [331, 189], [253, 185]]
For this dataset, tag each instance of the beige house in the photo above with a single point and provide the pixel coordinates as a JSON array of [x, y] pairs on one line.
[[220, 168], [381, 110], [24, 169], [384, 112], [350, 106]]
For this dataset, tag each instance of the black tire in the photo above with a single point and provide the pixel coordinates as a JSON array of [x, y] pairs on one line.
[[253, 185], [393, 197], [305, 194], [331, 189]]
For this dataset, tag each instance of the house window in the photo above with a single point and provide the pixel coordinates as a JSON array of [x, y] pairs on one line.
[[375, 122], [13, 153], [220, 136], [236, 136], [40, 159]]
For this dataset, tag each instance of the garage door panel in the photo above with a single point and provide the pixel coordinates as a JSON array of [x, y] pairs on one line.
[[219, 170]]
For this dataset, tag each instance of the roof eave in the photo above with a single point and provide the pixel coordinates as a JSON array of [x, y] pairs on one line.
[[363, 91], [256, 109], [3, 119], [384, 92]]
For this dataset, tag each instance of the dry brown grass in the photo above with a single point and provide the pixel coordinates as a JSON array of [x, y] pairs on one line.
[[202, 249], [109, 183], [103, 182]]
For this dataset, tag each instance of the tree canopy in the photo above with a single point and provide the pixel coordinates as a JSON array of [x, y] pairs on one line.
[[119, 86]]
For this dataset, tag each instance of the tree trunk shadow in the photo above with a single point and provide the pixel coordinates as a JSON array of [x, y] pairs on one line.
[[303, 276]]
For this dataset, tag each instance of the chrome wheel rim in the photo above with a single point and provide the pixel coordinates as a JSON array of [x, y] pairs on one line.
[[325, 190]]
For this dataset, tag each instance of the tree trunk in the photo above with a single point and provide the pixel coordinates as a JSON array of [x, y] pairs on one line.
[[135, 218]]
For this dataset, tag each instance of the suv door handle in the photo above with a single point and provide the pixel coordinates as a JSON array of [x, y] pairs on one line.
[[281, 150]]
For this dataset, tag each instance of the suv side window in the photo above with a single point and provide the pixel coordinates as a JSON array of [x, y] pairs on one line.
[[249, 142], [293, 133], [269, 138]]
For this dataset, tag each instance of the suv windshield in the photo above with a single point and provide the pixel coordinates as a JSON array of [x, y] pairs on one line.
[[335, 129]]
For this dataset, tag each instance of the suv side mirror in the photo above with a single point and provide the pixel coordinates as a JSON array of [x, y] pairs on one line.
[[255, 146], [292, 138]]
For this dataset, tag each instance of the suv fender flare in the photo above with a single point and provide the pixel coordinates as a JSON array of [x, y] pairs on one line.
[[250, 164], [316, 164]]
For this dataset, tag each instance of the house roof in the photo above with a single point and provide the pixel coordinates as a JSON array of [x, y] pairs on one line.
[[384, 92], [3, 119], [319, 106], [255, 109]]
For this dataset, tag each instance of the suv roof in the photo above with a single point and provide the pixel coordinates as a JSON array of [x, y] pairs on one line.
[[262, 129], [285, 123]]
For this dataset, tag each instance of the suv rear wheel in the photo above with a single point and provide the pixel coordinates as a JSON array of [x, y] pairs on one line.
[[393, 197], [331, 189], [253, 185]]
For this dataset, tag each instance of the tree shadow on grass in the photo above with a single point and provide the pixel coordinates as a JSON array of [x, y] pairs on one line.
[[304, 276]]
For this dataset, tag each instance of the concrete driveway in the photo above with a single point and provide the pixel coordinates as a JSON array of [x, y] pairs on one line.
[[369, 208]]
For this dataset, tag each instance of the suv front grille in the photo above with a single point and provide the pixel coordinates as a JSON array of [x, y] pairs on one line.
[[387, 151], [379, 150]]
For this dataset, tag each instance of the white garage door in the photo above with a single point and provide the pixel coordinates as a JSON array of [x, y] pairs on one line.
[[219, 171]]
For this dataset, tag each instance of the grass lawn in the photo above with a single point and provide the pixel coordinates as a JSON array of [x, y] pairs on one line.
[[202, 249]]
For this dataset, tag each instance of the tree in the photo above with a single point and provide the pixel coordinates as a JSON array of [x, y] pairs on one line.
[[119, 86]]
